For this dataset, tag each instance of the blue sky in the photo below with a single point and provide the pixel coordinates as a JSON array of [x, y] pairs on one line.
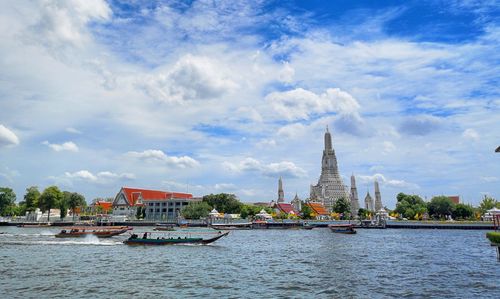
[[227, 96]]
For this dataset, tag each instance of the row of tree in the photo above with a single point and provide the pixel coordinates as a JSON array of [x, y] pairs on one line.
[[50, 198], [223, 203], [413, 207], [229, 204]]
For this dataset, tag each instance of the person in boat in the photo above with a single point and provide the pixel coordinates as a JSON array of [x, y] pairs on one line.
[[134, 236], [145, 236]]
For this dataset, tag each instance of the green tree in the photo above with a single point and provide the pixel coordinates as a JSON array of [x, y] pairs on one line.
[[196, 210], [74, 201], [463, 211], [487, 203], [224, 203], [249, 211], [363, 213], [49, 199], [31, 198], [141, 212], [342, 206], [62, 204], [440, 207], [410, 205], [7, 201], [306, 212]]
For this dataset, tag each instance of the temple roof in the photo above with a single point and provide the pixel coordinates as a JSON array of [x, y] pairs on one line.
[[286, 208], [317, 208]]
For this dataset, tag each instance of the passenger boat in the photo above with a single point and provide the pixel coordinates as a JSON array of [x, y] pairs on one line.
[[342, 228], [98, 231], [162, 239]]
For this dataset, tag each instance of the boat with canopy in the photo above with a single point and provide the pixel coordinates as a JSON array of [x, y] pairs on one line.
[[164, 238], [342, 228], [98, 231]]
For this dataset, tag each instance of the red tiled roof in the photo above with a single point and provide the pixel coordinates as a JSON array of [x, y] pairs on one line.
[[106, 206], [317, 208], [286, 208], [133, 195], [455, 199]]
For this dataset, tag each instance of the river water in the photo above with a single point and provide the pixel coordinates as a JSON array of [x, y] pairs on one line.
[[391, 263]]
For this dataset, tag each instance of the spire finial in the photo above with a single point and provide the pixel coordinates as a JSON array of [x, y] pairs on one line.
[[327, 128]]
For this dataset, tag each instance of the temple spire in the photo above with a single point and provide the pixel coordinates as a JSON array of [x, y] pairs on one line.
[[378, 198], [354, 197], [328, 140], [281, 194]]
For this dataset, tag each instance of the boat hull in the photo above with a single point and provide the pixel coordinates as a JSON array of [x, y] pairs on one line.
[[99, 234], [342, 229], [172, 241]]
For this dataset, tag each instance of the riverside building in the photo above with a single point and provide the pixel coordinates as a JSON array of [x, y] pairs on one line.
[[159, 205]]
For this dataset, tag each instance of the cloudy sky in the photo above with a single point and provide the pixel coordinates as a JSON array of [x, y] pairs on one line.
[[227, 96]]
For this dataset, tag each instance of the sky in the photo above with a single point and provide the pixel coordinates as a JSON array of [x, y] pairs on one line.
[[227, 96]]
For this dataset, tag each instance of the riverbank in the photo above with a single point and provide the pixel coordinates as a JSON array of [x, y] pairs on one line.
[[464, 225]]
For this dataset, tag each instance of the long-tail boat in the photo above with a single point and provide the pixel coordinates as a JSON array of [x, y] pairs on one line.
[[165, 239], [342, 228], [98, 231]]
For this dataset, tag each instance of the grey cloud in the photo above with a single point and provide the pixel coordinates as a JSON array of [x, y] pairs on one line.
[[420, 125]]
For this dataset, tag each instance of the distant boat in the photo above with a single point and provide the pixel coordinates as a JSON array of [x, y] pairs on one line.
[[165, 227], [98, 231], [226, 226], [150, 239], [342, 228], [34, 224]]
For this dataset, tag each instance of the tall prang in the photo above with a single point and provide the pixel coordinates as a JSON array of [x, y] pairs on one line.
[[354, 197], [330, 186], [369, 202], [378, 198], [281, 194]]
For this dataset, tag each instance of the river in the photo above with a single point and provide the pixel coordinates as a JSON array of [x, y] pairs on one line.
[[391, 263]]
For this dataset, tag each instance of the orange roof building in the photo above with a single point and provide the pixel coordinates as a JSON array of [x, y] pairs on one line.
[[159, 205], [106, 206], [318, 209]]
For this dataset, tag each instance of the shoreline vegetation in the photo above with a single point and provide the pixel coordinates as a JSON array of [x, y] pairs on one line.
[[411, 208]]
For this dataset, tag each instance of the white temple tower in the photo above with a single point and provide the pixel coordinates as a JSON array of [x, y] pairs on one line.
[[369, 202], [378, 198], [330, 186], [296, 203], [281, 194], [354, 197]]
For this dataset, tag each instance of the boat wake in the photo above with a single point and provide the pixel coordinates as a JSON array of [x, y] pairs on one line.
[[64, 242]]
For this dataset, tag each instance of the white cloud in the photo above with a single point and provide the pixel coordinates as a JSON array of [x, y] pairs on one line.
[[490, 179], [66, 146], [63, 22], [9, 174], [292, 131], [7, 137], [224, 187], [191, 78], [299, 103], [102, 177], [283, 168], [387, 182], [73, 130], [159, 156], [287, 72], [388, 147], [471, 134]]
